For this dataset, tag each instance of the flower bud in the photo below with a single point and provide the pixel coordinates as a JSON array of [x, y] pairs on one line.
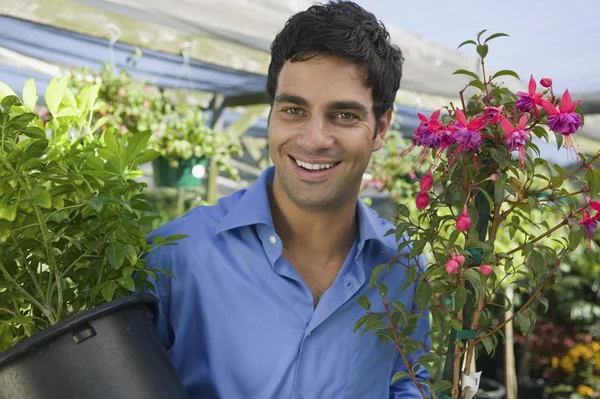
[[452, 266], [546, 82], [486, 270], [460, 259], [422, 200], [463, 222], [412, 175], [494, 177], [426, 181]]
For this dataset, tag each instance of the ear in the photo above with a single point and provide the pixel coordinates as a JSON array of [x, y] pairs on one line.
[[383, 124]]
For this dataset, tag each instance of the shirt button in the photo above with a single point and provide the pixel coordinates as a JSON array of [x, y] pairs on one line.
[[273, 239]]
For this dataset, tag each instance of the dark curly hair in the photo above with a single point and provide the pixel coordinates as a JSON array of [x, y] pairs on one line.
[[345, 30]]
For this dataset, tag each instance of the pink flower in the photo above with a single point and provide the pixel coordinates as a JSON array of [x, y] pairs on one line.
[[422, 200], [492, 114], [546, 82], [426, 181], [494, 177], [460, 259], [467, 133], [412, 175], [463, 222], [486, 270], [529, 101], [590, 223], [452, 267], [378, 184], [563, 119], [427, 132], [516, 138]]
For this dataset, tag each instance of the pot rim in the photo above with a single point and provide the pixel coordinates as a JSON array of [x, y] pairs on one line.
[[54, 331]]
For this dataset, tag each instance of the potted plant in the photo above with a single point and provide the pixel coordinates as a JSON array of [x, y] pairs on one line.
[[180, 134], [484, 180], [75, 314]]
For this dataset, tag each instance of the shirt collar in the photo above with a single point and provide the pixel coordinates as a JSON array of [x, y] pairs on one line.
[[253, 208]]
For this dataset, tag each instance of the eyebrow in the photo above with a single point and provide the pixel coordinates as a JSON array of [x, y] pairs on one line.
[[290, 98]]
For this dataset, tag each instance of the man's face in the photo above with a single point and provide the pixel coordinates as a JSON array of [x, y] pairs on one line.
[[321, 131]]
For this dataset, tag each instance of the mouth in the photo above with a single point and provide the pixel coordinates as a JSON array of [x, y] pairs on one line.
[[312, 171]]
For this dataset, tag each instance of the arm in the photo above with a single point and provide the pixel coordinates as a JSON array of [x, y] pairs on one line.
[[162, 285]]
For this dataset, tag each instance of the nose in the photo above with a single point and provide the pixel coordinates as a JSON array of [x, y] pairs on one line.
[[316, 135]]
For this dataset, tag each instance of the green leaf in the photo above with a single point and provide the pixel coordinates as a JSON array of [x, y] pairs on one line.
[[524, 322], [467, 42], [506, 72], [536, 259], [477, 83], [364, 301], [482, 50], [360, 322], [6, 91], [465, 72], [127, 283], [441, 386], [495, 35], [460, 297], [481, 33], [423, 295], [8, 212], [383, 289], [398, 375], [559, 140], [574, 239], [111, 142], [417, 248], [544, 302], [108, 290], [488, 343], [592, 178], [115, 254], [29, 95], [34, 132], [66, 113], [54, 94], [376, 271]]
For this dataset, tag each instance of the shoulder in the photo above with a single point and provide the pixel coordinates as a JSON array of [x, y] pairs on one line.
[[386, 234]]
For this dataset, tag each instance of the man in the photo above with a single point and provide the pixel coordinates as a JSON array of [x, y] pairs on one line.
[[266, 292]]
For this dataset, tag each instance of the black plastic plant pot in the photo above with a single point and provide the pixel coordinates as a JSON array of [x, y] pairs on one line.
[[109, 352]]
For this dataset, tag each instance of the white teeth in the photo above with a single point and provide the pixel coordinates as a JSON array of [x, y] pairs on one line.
[[314, 166]]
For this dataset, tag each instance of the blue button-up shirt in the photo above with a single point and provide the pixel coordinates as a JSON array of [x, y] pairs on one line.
[[240, 323]]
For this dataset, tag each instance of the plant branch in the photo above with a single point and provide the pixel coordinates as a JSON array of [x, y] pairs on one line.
[[411, 373], [552, 230], [526, 305], [45, 311]]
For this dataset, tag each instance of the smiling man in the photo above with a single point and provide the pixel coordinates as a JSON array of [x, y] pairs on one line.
[[266, 292]]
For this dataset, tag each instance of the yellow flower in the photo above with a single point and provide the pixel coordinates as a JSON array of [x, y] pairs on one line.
[[567, 365], [555, 362], [584, 390], [595, 346]]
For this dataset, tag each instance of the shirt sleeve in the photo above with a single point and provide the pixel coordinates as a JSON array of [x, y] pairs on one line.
[[405, 388]]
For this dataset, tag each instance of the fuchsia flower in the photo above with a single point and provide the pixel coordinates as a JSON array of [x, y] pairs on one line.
[[422, 200], [492, 115], [426, 181], [452, 266], [467, 134], [590, 223], [486, 270], [456, 256], [546, 82], [529, 101], [463, 222], [516, 138], [427, 133], [563, 119]]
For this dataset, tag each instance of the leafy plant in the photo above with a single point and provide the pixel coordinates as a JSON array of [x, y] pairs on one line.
[[72, 234], [179, 130], [482, 220]]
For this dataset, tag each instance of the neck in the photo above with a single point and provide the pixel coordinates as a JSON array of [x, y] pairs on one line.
[[327, 234]]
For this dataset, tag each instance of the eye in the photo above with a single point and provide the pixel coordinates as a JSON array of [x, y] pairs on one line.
[[346, 116], [292, 111]]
